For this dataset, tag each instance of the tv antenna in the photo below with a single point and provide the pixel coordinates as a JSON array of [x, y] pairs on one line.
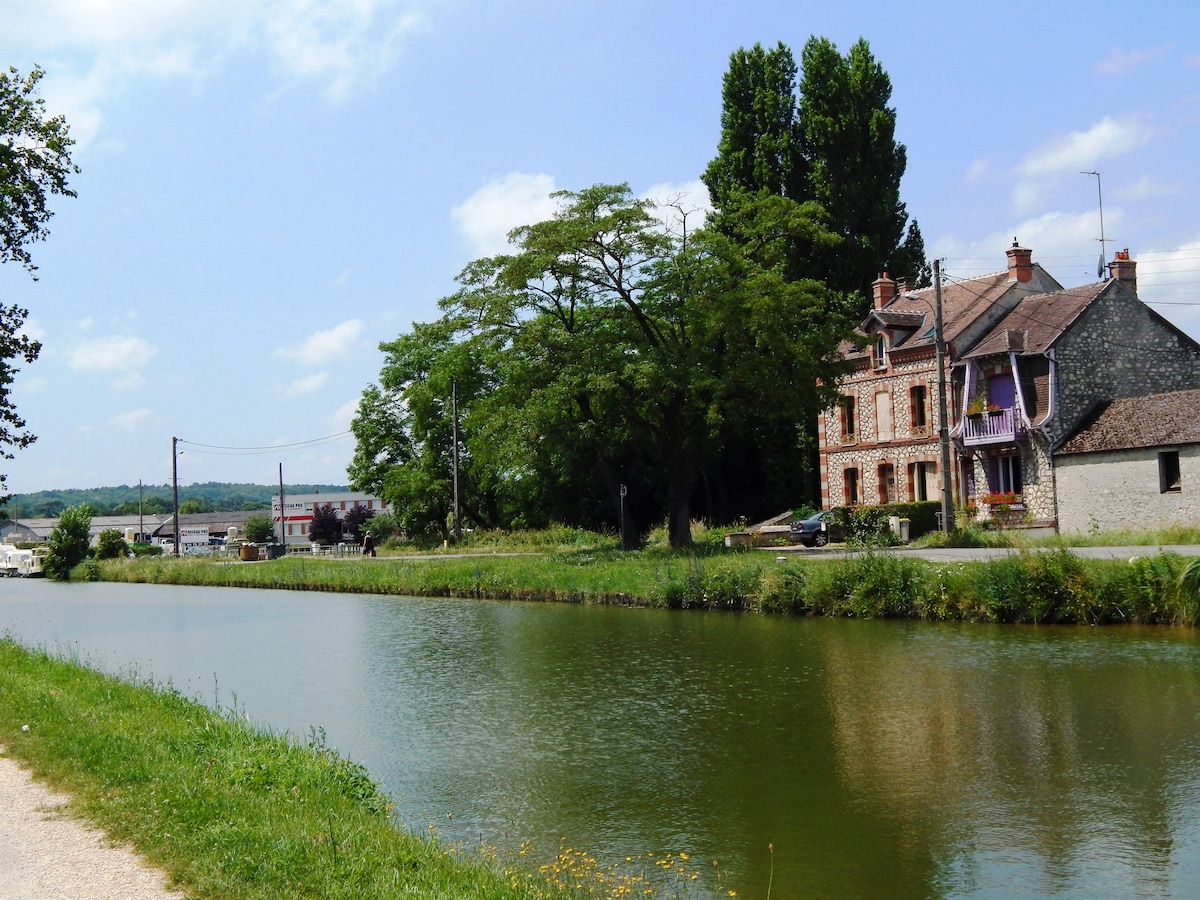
[[1103, 240]]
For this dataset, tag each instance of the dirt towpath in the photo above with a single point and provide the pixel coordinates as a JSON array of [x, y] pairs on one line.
[[46, 855]]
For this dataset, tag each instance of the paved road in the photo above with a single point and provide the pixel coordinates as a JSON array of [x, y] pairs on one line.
[[975, 554]]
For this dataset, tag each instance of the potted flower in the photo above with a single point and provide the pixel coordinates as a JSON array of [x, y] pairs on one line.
[[976, 406], [1002, 501], [994, 410]]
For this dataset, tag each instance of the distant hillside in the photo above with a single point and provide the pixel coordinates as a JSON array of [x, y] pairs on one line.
[[156, 498]]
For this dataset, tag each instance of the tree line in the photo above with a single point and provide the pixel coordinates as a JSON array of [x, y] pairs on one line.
[[627, 359], [157, 499]]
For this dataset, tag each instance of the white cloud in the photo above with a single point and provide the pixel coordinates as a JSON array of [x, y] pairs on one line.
[[344, 414], [93, 48], [1108, 138], [487, 216], [307, 385], [1080, 151], [133, 381], [325, 346], [131, 420], [977, 171], [1147, 188], [1118, 62], [111, 354], [1064, 243]]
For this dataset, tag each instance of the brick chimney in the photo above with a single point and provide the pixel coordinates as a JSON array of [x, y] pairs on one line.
[[1020, 263], [884, 290], [1124, 269]]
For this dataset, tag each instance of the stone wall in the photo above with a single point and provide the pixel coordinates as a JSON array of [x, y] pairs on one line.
[[1118, 348], [1120, 490]]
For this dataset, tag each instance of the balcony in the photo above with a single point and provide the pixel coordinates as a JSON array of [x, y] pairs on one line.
[[995, 426]]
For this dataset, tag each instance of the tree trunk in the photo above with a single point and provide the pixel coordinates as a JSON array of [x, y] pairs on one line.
[[680, 479]]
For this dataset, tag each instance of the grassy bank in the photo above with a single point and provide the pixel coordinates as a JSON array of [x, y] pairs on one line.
[[225, 809], [1046, 586]]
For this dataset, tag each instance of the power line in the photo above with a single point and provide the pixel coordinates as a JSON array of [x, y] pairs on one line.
[[217, 450]]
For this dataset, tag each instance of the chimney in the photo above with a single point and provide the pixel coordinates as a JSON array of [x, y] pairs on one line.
[[884, 290], [1124, 269], [1020, 265]]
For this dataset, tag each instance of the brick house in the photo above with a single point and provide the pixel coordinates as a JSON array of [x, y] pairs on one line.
[[1027, 362]]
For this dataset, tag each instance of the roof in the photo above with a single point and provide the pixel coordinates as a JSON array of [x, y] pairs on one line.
[[1039, 320], [963, 303], [1131, 423]]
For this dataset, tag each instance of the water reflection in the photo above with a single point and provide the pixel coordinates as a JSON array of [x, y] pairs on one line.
[[878, 758]]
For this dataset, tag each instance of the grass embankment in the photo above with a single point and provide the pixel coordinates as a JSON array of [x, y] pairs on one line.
[[225, 809], [1052, 585]]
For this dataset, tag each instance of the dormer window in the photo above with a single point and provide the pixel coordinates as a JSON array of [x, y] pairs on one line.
[[880, 353]]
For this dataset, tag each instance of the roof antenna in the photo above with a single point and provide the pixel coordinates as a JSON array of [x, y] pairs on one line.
[[1103, 239]]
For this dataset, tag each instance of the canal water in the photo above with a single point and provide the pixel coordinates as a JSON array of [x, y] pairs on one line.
[[810, 758]]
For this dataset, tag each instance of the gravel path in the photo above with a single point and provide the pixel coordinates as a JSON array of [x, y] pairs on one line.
[[45, 855]]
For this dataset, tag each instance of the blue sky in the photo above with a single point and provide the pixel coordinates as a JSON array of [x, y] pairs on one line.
[[270, 188]]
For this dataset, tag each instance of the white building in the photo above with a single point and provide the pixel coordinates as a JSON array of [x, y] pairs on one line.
[[298, 510]]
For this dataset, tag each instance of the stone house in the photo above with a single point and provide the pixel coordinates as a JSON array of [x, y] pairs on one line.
[[1027, 362], [1134, 463]]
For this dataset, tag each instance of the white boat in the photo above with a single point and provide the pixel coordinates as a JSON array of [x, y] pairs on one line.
[[7, 568], [31, 566], [21, 563]]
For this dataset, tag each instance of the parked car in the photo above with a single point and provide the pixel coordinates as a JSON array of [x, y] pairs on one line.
[[818, 530]]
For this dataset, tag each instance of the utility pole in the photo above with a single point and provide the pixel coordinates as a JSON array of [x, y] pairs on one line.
[[454, 414], [175, 490], [282, 516], [939, 343]]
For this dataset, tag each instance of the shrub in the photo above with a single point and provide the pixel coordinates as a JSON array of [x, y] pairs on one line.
[[259, 529], [326, 527], [110, 545]]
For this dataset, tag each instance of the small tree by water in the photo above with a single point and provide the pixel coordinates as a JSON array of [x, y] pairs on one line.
[[68, 542]]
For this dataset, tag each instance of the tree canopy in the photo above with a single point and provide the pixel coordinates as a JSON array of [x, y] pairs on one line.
[[607, 349], [35, 162], [830, 139]]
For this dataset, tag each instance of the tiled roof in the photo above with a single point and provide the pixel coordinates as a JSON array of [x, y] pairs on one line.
[[899, 318], [1129, 423], [1042, 318]]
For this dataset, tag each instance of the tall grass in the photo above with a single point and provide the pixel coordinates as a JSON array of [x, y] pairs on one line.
[[1043, 586], [226, 810]]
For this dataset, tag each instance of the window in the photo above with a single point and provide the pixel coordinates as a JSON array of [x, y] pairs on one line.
[[920, 479], [880, 351], [850, 477], [883, 416], [849, 426], [1004, 474], [919, 414], [1168, 472]]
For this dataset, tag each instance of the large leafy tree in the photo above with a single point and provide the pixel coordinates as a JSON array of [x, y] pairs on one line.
[[35, 162], [609, 350]]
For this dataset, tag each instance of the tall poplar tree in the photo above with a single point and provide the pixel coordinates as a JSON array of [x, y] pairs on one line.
[[830, 139]]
